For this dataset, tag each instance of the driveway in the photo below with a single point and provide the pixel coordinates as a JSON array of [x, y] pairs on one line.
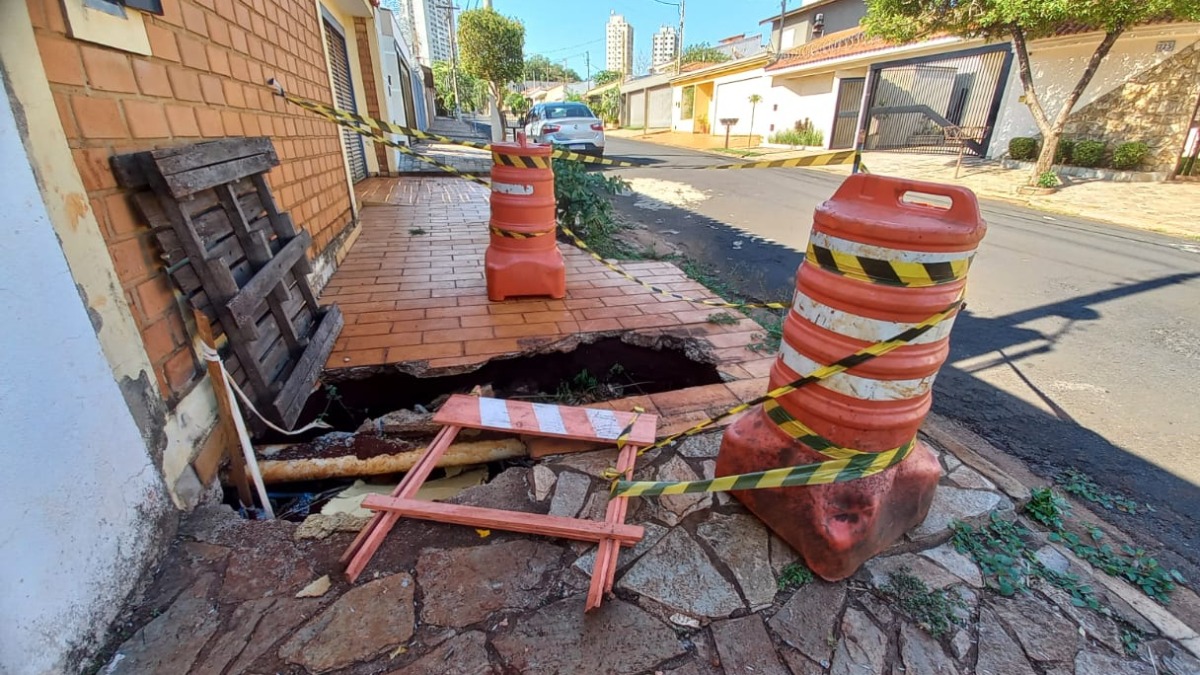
[[1079, 348]]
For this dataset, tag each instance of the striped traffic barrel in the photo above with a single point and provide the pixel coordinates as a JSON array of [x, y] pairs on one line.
[[885, 254], [522, 258]]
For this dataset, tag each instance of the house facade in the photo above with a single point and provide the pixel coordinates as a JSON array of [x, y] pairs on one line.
[[705, 93]]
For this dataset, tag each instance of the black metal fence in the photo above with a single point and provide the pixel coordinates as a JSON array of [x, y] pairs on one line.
[[943, 103]]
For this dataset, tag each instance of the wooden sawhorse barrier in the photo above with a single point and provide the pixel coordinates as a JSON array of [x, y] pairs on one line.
[[629, 431]]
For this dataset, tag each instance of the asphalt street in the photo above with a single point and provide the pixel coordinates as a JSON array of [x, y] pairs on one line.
[[1080, 346]]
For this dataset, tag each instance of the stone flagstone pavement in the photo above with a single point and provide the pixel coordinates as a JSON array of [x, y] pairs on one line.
[[699, 595]]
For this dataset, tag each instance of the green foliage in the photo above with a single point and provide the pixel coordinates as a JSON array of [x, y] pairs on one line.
[[517, 103], [490, 47], [722, 319], [792, 137], [768, 342], [609, 108], [1081, 485], [584, 206], [542, 69], [1023, 149], [1062, 154], [937, 612], [904, 20], [1046, 507], [574, 97], [703, 52], [1131, 563], [1131, 642], [1088, 153], [794, 575], [1129, 156], [1047, 179], [473, 91], [754, 99], [606, 77]]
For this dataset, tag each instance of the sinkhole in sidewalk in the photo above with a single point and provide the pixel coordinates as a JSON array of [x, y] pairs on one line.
[[605, 370]]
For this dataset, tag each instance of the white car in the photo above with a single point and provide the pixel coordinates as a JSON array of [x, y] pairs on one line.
[[570, 125]]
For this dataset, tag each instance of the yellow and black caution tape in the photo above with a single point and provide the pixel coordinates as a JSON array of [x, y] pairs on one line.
[[888, 272], [412, 153], [520, 161], [844, 464], [513, 234], [358, 123]]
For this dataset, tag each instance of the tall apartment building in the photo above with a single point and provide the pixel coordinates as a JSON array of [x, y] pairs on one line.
[[666, 46], [427, 27], [619, 44]]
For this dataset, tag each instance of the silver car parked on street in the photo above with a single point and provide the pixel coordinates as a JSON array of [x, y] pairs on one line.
[[570, 125]]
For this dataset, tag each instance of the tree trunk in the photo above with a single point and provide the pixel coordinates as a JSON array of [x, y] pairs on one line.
[[750, 137], [1052, 129]]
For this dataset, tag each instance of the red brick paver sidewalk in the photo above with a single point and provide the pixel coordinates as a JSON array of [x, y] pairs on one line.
[[413, 294]]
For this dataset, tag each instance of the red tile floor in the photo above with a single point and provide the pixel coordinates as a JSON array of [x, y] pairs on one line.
[[412, 292]]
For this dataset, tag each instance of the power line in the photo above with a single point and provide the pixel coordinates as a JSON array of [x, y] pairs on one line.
[[563, 49]]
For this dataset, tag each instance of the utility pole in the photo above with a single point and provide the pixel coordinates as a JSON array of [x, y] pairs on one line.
[[587, 58], [779, 42], [449, 9], [487, 4], [679, 52]]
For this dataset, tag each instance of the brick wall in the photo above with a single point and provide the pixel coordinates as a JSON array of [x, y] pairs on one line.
[[363, 38], [205, 80], [1154, 107]]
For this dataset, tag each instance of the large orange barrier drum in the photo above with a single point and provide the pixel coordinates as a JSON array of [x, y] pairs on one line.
[[877, 264], [522, 258]]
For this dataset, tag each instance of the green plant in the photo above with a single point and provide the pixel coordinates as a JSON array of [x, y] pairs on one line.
[[1046, 507], [583, 205], [1130, 155], [703, 52], [542, 69], [1081, 485], [768, 342], [802, 133], [722, 319], [416, 231], [1022, 148], [1131, 642], [491, 47], [1063, 154], [937, 612], [517, 103], [609, 109], [794, 575], [1048, 179], [1088, 153], [1131, 563], [607, 76]]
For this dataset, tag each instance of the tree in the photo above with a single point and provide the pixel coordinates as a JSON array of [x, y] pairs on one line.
[[1022, 21], [754, 99], [704, 53], [609, 108], [517, 103], [473, 91], [606, 76], [542, 69], [490, 47]]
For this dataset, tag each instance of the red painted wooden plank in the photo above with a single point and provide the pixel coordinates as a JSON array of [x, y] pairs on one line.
[[510, 521], [566, 421]]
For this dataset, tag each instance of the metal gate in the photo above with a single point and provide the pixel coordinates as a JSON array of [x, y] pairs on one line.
[[343, 93], [845, 120], [940, 103]]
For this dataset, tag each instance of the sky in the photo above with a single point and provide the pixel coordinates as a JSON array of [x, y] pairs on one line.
[[568, 29]]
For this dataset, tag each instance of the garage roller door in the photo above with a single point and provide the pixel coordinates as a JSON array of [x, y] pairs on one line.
[[637, 108], [660, 108], [733, 100], [343, 94]]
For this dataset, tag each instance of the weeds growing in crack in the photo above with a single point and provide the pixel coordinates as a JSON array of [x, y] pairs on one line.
[[793, 576], [936, 612], [417, 231], [1047, 507], [722, 319], [772, 336], [584, 388], [1131, 641], [1081, 485]]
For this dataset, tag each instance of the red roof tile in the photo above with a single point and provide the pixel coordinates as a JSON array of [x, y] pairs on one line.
[[834, 45]]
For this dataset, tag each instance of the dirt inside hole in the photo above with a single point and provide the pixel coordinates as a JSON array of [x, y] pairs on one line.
[[601, 371]]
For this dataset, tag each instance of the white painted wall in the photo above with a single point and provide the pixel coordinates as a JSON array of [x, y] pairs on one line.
[[84, 505], [1057, 66], [813, 97], [732, 99]]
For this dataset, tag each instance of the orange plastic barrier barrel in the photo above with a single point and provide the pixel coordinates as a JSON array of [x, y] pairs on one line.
[[522, 258], [879, 261]]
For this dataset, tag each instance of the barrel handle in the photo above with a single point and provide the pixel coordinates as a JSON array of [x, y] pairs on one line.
[[963, 205]]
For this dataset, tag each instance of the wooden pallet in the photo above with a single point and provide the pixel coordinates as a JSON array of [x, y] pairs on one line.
[[629, 431], [239, 260]]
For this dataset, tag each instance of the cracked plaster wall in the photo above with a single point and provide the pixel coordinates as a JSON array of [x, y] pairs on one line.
[[87, 512]]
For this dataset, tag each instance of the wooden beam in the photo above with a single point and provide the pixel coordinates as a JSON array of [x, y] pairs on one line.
[[252, 295], [510, 521], [237, 463], [289, 402]]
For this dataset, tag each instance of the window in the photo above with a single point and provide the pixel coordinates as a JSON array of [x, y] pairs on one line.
[[559, 111], [112, 23], [687, 107]]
